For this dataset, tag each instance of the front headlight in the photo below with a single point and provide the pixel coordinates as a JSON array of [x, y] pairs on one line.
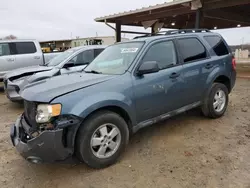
[[46, 111]]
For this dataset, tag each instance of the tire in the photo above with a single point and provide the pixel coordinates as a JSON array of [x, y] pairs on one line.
[[208, 108], [90, 129]]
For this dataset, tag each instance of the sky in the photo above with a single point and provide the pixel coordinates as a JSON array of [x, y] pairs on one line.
[[65, 19]]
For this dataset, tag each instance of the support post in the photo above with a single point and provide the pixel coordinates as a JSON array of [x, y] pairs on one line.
[[198, 18], [118, 31], [152, 29]]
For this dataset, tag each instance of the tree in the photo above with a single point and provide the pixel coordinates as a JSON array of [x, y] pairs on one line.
[[9, 37]]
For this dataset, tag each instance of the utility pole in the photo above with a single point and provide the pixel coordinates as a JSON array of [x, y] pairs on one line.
[[242, 43]]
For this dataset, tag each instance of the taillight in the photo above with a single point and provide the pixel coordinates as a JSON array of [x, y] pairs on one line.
[[234, 63]]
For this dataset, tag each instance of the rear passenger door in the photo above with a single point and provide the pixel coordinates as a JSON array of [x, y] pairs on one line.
[[160, 92], [197, 65], [26, 54]]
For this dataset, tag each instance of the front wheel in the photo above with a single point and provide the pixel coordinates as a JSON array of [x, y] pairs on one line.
[[216, 102], [101, 139]]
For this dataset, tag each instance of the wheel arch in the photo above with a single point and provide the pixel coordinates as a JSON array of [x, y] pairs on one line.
[[223, 79], [217, 77], [116, 109]]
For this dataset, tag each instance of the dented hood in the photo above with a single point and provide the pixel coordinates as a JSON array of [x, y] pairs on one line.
[[26, 70], [49, 89]]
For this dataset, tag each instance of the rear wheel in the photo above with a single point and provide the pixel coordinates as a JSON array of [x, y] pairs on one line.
[[216, 102], [101, 139]]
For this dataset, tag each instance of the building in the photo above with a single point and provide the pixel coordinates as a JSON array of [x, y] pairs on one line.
[[105, 40], [61, 45], [241, 54]]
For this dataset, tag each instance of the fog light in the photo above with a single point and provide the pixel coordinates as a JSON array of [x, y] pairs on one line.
[[35, 160]]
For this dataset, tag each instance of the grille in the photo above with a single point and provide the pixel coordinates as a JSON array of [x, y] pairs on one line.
[[30, 113], [17, 89]]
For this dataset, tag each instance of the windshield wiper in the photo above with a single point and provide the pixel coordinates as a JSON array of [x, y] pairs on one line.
[[93, 71]]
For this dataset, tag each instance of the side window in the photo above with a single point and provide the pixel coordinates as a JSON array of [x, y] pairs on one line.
[[25, 48], [163, 53], [4, 49], [191, 49], [97, 52], [84, 57], [217, 44]]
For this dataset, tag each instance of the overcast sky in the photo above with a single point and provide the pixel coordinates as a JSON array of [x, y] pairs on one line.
[[61, 19]]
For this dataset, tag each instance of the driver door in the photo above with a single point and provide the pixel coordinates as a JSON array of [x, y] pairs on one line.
[[161, 92], [80, 61]]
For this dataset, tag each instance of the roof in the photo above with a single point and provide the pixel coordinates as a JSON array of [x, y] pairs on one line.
[[60, 40], [82, 38], [17, 40], [88, 47], [182, 14], [143, 9]]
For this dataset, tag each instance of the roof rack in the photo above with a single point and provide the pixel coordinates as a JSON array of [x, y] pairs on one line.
[[173, 32], [149, 35], [182, 31]]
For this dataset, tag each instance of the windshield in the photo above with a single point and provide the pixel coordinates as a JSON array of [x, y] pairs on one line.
[[59, 58], [115, 59]]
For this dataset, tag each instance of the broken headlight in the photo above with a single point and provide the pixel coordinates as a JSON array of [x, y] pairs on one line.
[[46, 111]]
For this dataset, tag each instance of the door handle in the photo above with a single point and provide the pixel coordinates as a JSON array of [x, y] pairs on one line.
[[37, 57], [174, 75], [209, 66], [10, 59]]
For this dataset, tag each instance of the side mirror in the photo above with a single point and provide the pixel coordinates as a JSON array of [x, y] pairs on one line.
[[148, 67], [69, 64]]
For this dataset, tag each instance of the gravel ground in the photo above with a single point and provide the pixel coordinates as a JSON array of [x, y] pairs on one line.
[[185, 151]]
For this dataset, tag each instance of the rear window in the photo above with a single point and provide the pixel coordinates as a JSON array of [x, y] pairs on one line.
[[191, 49], [217, 44], [25, 48]]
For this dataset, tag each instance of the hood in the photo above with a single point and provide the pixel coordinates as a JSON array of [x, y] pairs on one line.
[[43, 75], [36, 77], [47, 90], [26, 70]]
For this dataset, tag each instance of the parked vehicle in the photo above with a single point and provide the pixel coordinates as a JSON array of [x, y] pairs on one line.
[[70, 61], [16, 54], [129, 86], [48, 56]]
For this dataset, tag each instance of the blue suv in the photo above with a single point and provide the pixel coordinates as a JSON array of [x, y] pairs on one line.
[[91, 115]]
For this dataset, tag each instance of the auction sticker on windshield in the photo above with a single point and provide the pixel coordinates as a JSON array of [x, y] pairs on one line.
[[128, 50]]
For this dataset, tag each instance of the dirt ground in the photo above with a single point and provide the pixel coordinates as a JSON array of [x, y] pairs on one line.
[[185, 151]]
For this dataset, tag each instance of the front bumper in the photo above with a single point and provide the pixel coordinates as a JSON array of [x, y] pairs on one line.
[[48, 147], [12, 91]]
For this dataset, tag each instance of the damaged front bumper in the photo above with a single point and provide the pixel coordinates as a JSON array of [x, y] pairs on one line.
[[47, 147]]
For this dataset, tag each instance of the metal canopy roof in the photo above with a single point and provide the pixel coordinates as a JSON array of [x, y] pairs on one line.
[[182, 14]]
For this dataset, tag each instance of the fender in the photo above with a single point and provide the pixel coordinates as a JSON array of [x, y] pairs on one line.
[[94, 102]]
